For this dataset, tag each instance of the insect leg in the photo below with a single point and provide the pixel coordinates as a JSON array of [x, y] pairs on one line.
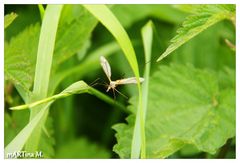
[[114, 95], [121, 94]]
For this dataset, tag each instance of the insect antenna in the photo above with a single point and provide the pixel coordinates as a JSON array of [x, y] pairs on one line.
[[94, 82]]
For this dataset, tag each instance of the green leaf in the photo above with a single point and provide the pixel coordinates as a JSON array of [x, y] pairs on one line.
[[9, 18], [82, 148], [185, 106], [204, 17], [73, 33], [20, 57], [227, 78], [213, 55]]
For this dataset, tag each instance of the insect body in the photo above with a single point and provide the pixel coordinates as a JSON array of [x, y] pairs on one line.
[[113, 84]]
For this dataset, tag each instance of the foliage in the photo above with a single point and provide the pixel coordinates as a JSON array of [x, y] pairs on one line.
[[72, 33], [204, 17], [185, 108], [20, 57]]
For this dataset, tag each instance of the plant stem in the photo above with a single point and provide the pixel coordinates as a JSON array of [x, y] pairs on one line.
[[63, 94]]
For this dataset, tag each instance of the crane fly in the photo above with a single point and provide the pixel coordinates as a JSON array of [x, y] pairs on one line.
[[113, 84]]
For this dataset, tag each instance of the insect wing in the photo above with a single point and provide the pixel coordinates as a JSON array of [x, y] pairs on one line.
[[131, 80], [106, 67]]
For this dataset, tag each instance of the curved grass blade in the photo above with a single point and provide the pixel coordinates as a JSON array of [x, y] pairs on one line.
[[106, 17], [75, 88], [18, 142], [41, 10]]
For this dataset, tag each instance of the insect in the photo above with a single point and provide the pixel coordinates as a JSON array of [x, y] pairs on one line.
[[113, 84]]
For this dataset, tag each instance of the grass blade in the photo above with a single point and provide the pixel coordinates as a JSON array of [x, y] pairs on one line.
[[75, 88], [139, 128], [45, 50], [106, 17], [147, 35], [18, 142], [43, 68], [41, 10]]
